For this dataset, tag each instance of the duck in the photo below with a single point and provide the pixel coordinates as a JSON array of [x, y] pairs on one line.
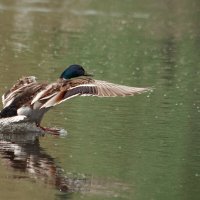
[[30, 99]]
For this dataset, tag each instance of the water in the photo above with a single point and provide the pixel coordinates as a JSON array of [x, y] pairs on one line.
[[141, 147]]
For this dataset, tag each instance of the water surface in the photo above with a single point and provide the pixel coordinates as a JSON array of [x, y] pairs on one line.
[[141, 147]]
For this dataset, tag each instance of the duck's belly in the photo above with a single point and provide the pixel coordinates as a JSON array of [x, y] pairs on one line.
[[12, 127], [33, 115]]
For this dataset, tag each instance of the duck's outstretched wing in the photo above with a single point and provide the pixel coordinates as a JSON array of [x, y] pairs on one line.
[[17, 88], [92, 88]]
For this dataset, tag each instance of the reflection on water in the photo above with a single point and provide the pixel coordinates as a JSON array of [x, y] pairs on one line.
[[30, 158], [22, 152]]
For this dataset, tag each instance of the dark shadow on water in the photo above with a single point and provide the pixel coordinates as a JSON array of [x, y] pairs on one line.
[[23, 153]]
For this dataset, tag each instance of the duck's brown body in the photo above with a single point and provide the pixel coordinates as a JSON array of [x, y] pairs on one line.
[[33, 99]]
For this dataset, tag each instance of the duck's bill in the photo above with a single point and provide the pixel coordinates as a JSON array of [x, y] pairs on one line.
[[87, 74]]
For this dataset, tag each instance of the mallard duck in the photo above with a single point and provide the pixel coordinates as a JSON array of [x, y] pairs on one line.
[[32, 99]]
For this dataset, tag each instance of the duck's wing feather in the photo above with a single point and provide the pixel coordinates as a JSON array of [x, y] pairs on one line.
[[49, 91], [106, 89], [21, 84], [93, 88]]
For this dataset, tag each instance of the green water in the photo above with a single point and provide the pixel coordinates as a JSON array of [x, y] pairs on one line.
[[144, 147]]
